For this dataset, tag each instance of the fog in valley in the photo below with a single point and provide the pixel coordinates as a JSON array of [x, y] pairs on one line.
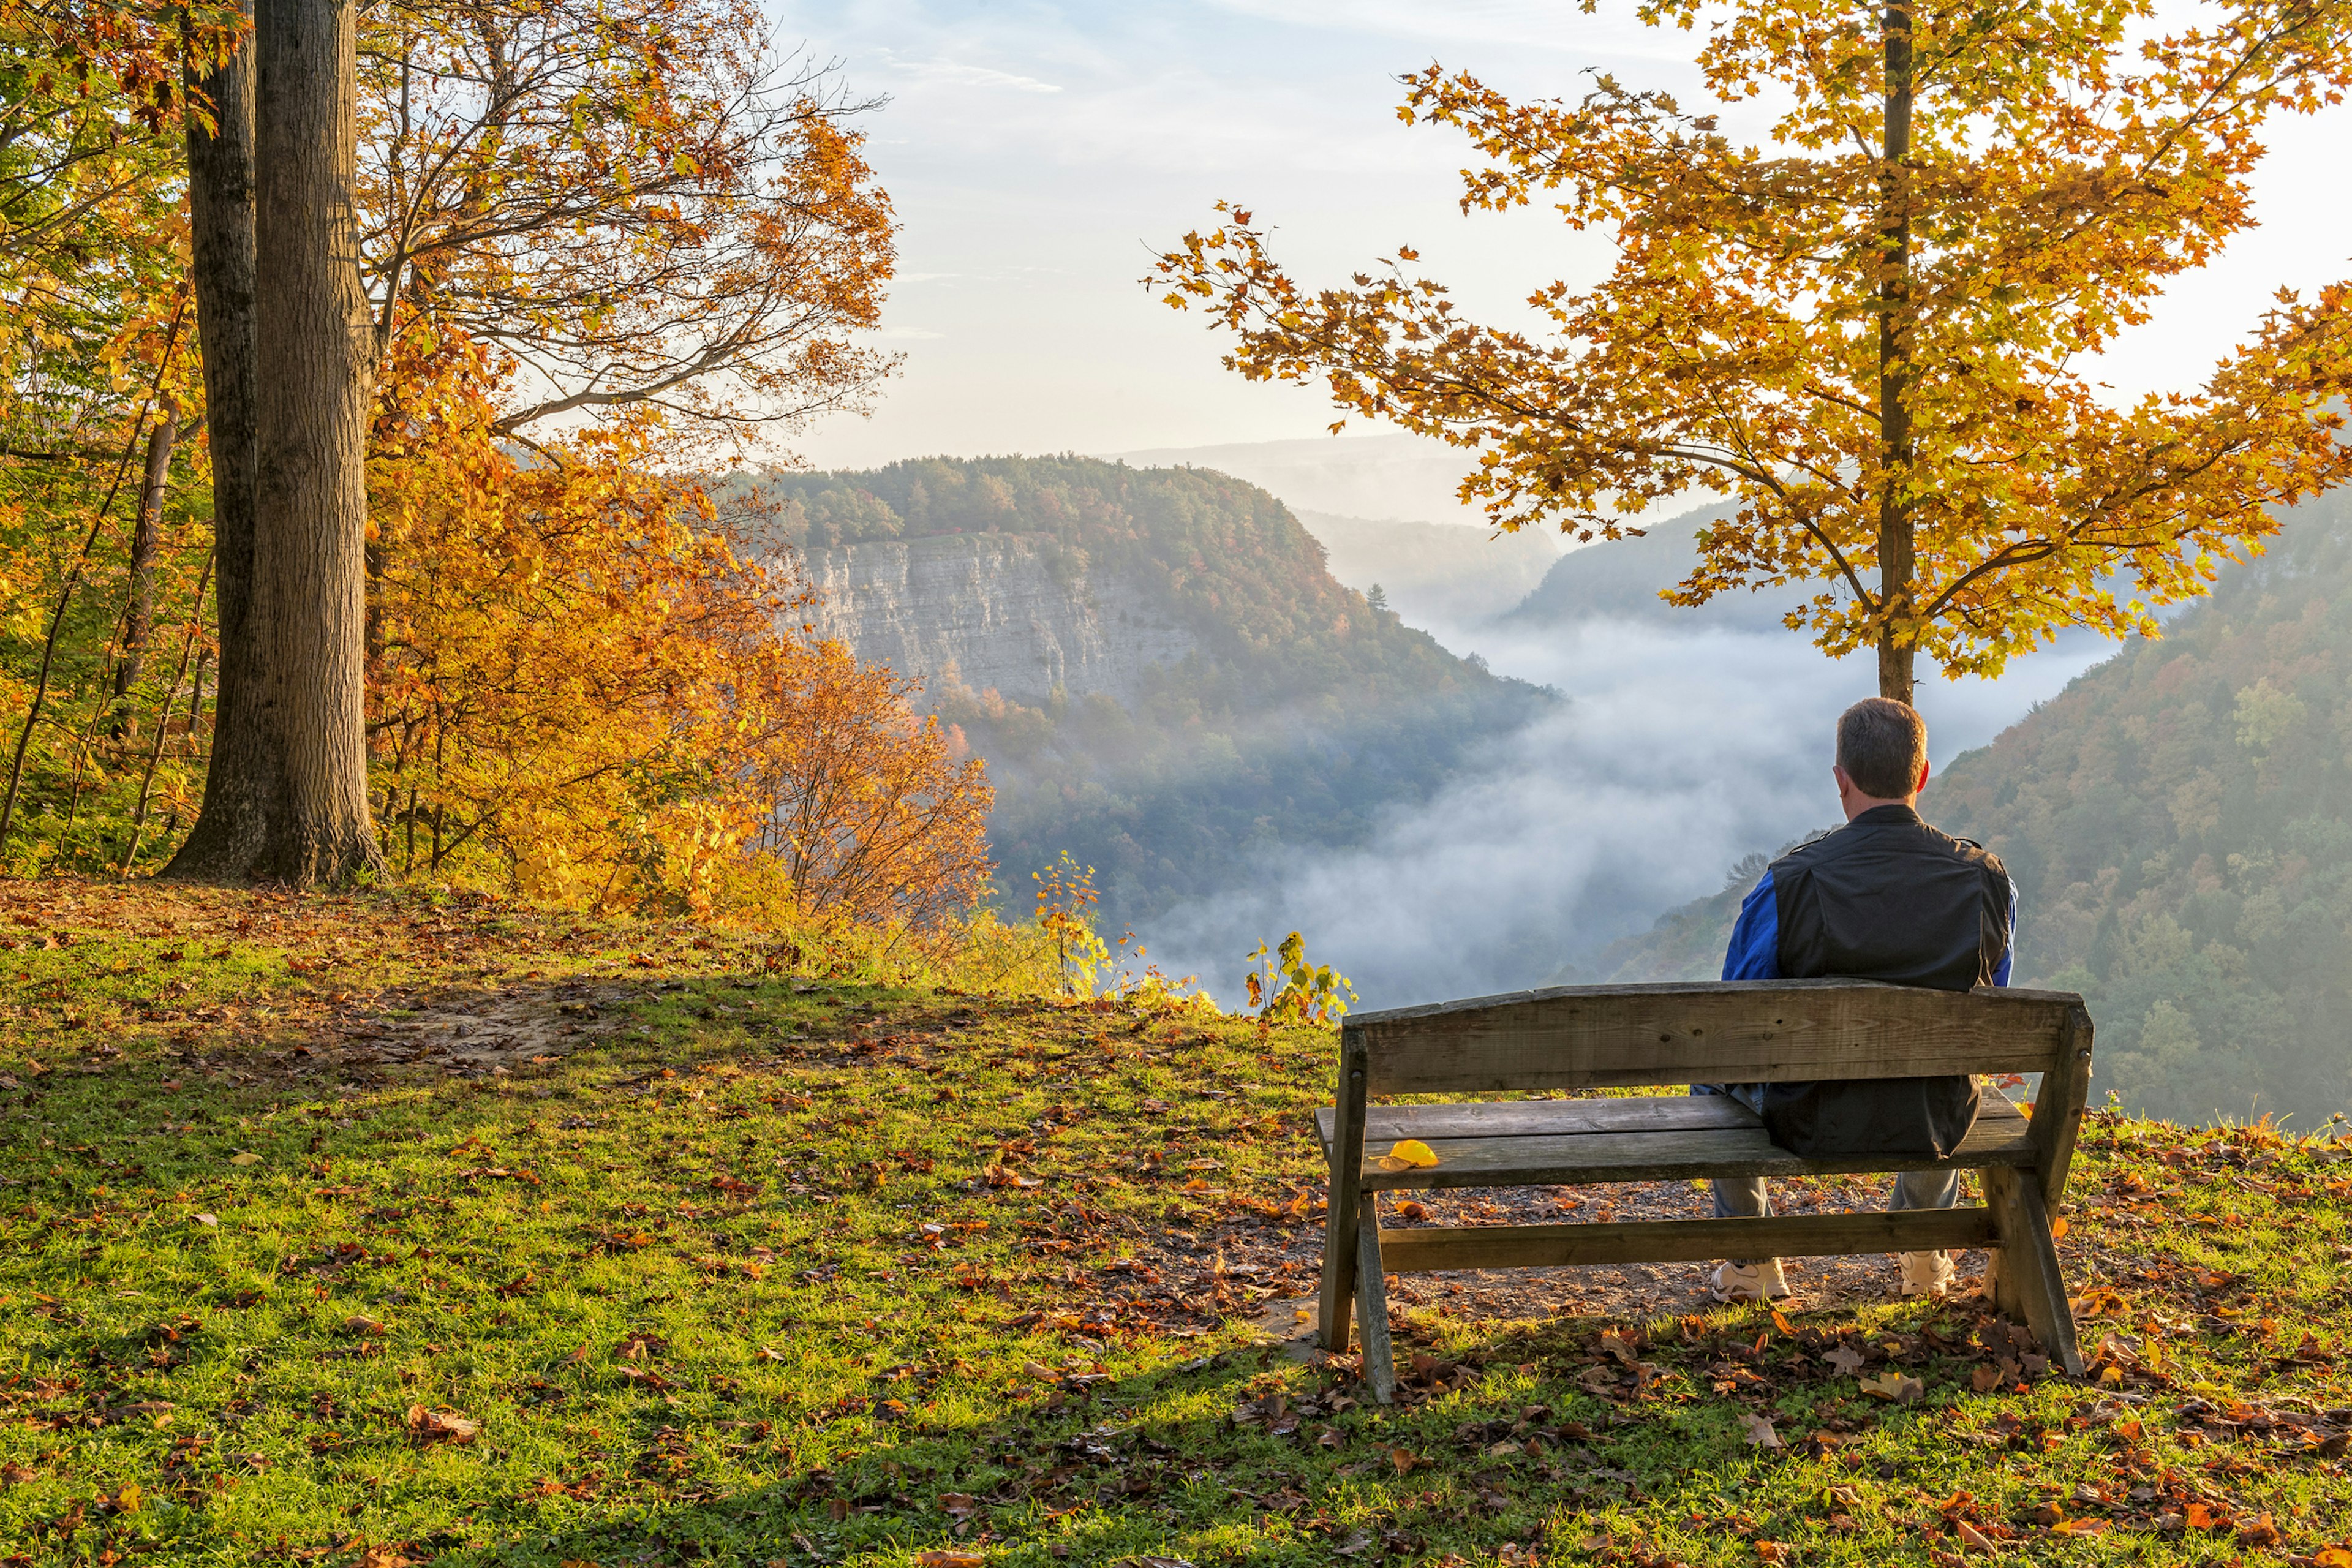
[[1686, 741]]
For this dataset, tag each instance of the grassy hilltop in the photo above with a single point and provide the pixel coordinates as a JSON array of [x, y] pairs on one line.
[[385, 1230]]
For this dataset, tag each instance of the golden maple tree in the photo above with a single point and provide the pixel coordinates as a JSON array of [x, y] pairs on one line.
[[582, 688], [1873, 333]]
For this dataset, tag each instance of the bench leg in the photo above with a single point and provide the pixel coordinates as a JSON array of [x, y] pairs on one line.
[[1339, 1247], [2026, 1281], [1372, 1306]]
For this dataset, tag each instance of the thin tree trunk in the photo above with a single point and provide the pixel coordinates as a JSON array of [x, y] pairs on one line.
[[163, 718], [241, 780], [72, 584], [1896, 540], [146, 543]]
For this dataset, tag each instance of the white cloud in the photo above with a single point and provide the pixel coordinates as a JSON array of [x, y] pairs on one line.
[[940, 70]]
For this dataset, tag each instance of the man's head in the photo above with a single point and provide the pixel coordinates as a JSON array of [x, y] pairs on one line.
[[1882, 755]]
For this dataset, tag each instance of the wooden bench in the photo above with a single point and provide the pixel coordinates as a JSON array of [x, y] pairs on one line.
[[1601, 1036]]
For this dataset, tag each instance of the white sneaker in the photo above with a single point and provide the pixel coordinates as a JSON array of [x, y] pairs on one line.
[[1927, 1273], [1748, 1282]]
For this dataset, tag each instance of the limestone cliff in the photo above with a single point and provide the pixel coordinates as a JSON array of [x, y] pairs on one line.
[[1002, 612]]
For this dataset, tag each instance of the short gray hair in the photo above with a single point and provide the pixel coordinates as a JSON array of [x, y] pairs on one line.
[[1882, 745]]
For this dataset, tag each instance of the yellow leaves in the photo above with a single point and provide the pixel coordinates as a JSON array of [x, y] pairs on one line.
[[1413, 1153], [245, 1157], [1893, 1387]]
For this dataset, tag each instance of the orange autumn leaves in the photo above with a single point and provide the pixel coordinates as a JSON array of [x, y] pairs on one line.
[[1879, 355], [580, 685]]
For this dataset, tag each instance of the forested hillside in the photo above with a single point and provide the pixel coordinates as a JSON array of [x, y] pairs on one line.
[[1299, 714], [2179, 825]]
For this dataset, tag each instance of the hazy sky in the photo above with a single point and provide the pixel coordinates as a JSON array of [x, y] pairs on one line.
[[1039, 153]]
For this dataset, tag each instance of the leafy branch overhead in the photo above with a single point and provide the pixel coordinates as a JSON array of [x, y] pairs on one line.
[[644, 203], [1872, 330]]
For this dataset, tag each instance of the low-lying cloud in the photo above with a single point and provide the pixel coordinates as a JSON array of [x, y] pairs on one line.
[[1678, 751]]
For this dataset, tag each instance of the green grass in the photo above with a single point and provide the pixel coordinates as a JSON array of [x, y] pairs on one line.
[[820, 1272]]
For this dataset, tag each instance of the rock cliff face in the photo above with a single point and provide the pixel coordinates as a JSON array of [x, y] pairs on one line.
[[989, 611]]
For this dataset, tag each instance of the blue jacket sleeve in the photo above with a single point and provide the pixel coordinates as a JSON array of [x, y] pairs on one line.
[[1754, 950], [2009, 949]]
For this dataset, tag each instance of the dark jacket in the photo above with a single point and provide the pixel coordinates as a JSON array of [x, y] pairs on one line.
[[1885, 897]]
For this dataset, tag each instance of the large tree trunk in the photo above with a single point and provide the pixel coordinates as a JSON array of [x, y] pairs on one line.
[[241, 784], [310, 573], [1896, 446], [302, 785]]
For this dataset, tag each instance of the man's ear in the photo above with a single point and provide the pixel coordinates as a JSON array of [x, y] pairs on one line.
[[1923, 779]]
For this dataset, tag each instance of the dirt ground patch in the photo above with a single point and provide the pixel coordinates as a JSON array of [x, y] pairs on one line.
[[1628, 1293]]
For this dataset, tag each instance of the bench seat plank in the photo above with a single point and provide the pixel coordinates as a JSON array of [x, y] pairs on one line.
[[1998, 1138], [1501, 1122], [1420, 1251], [1384, 1124]]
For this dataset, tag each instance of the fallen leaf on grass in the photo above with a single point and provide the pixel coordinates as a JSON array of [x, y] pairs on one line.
[[1760, 1431], [1973, 1539], [936, 1559], [2333, 1557], [368, 1328], [1893, 1387], [1985, 1378], [1848, 1360], [959, 1505], [211, 1219], [242, 1158], [441, 1426], [2260, 1532]]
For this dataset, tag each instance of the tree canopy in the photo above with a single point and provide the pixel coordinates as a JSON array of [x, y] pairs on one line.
[[1875, 331]]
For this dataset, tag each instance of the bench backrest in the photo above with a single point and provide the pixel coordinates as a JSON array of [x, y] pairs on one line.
[[1743, 1031]]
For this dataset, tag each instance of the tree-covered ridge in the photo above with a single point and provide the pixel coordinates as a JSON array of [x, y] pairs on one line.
[[2179, 825], [1303, 713], [1224, 555]]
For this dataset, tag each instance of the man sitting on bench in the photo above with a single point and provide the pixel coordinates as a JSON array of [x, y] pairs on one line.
[[1886, 897]]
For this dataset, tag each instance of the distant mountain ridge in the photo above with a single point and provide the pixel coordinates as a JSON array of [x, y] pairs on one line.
[[1620, 579], [1436, 576], [1163, 676]]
